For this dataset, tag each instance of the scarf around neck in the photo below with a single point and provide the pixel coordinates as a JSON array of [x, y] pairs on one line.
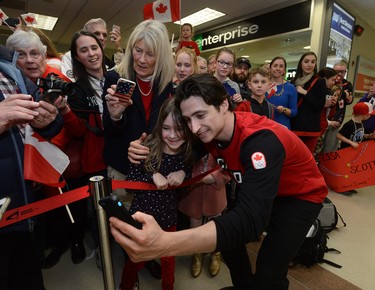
[[303, 80]]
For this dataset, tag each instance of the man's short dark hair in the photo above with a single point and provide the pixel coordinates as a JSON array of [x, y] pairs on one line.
[[205, 86]]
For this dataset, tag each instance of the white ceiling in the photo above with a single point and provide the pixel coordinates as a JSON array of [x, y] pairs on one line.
[[73, 14]]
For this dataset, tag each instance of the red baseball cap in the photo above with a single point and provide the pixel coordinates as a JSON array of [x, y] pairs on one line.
[[361, 109]]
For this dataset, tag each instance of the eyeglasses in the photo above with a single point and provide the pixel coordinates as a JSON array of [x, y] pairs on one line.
[[342, 72], [33, 54], [223, 63]]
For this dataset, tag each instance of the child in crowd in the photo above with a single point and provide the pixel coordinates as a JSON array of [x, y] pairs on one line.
[[202, 65], [202, 201], [211, 63], [168, 164], [186, 35], [225, 58], [352, 132], [258, 83]]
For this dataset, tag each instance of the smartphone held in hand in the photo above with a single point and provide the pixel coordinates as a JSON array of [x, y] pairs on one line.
[[124, 89], [114, 207], [115, 27]]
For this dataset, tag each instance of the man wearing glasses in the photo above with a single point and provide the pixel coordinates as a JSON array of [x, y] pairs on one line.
[[330, 142]]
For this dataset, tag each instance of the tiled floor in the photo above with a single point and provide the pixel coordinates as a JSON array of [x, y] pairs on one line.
[[356, 243]]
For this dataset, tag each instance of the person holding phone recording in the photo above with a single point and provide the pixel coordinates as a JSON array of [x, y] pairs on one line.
[[21, 258], [149, 63]]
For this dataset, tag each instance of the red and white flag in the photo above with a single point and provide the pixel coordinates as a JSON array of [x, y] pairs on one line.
[[43, 161], [163, 10], [29, 18], [3, 16], [271, 90]]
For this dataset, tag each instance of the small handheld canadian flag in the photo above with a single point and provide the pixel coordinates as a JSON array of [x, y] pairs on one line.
[[29, 18], [3, 16], [43, 161]]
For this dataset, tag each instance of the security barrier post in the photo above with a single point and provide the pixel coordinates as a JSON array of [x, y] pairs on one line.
[[100, 187]]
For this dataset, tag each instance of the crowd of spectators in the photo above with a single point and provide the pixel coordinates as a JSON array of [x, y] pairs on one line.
[[93, 119]]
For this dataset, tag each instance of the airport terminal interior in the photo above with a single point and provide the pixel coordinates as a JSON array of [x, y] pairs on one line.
[[355, 241]]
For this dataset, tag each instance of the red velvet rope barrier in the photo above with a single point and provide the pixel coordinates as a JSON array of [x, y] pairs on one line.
[[27, 211]]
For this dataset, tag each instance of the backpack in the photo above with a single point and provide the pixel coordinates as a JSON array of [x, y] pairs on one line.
[[314, 247], [329, 215]]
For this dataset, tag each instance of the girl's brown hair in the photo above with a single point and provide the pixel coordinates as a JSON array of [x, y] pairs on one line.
[[155, 140]]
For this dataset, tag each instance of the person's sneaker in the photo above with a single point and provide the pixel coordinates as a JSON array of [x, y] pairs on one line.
[[136, 285], [54, 257], [346, 193], [98, 259], [78, 252], [154, 268]]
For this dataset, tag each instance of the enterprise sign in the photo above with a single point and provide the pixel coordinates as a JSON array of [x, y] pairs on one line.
[[288, 19]]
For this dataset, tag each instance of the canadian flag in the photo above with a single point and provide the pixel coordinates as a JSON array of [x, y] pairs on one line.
[[271, 90], [29, 18], [3, 16], [43, 161], [163, 10]]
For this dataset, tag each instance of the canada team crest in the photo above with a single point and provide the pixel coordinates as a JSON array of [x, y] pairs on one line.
[[259, 160]]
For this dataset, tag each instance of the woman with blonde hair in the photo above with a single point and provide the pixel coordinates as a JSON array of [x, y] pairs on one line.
[[148, 62], [185, 64]]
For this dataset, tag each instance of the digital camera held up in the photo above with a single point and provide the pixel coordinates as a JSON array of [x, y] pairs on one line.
[[53, 87]]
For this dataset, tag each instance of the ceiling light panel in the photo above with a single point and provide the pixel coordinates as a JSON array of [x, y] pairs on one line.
[[200, 17]]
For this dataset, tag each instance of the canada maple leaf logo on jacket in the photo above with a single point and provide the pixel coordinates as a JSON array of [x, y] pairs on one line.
[[161, 8], [259, 160]]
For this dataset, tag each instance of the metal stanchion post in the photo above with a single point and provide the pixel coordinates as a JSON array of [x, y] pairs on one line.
[[99, 188]]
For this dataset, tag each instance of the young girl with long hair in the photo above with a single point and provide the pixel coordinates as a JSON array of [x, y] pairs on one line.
[[225, 58], [168, 164]]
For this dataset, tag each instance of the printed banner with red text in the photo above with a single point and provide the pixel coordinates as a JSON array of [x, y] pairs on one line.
[[349, 168]]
